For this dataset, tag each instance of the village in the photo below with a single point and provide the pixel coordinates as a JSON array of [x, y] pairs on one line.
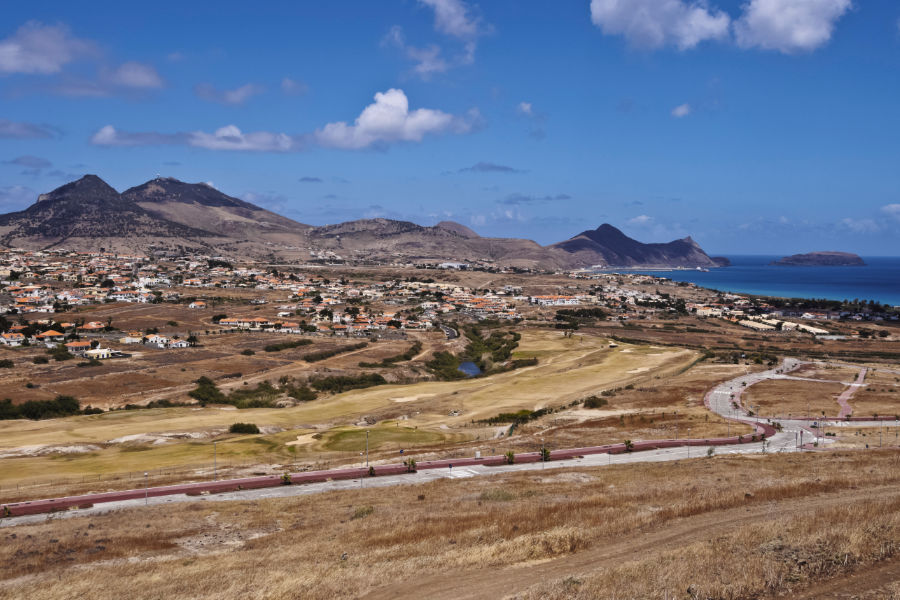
[[35, 285]]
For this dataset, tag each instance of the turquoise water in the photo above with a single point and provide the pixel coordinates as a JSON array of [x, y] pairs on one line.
[[879, 280]]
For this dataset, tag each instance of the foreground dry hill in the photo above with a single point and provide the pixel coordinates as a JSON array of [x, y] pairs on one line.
[[171, 215]]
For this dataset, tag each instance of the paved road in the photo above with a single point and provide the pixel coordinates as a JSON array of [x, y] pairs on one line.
[[725, 400], [776, 444]]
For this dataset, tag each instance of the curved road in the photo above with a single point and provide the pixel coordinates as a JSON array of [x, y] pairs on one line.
[[783, 435]]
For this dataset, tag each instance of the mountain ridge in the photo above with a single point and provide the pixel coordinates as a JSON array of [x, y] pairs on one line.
[[167, 213]]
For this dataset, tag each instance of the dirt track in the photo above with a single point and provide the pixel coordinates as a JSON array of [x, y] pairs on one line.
[[502, 583]]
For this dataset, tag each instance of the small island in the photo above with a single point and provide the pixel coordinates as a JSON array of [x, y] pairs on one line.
[[821, 259]]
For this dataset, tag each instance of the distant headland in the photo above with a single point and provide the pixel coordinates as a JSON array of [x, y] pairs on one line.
[[821, 259]]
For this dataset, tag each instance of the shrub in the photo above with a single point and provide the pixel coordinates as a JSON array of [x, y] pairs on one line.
[[629, 445], [411, 468], [207, 392], [510, 457], [362, 512], [243, 428], [61, 406], [6, 363], [371, 471], [286, 479], [323, 354], [286, 345], [248, 352], [496, 495], [342, 383], [595, 402], [59, 353], [710, 451], [40, 360], [545, 454]]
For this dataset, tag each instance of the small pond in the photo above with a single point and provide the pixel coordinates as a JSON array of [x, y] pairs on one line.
[[469, 368]]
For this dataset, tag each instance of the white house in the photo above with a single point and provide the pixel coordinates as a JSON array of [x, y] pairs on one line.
[[99, 353], [12, 339]]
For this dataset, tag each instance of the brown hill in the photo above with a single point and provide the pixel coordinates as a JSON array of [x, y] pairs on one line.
[[386, 240], [206, 207], [168, 214], [88, 213], [606, 245]]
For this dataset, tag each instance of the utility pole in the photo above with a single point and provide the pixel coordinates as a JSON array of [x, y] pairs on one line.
[[146, 488], [367, 448], [215, 461]]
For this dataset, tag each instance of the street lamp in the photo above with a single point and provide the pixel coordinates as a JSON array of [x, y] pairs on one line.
[[543, 456], [146, 488], [367, 449], [215, 462]]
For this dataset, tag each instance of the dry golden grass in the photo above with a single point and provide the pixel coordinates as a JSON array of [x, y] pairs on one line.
[[862, 437], [828, 372], [569, 369], [790, 397], [876, 399], [648, 425], [295, 547], [753, 561]]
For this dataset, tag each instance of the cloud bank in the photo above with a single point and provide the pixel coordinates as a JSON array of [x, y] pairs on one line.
[[386, 121], [787, 26]]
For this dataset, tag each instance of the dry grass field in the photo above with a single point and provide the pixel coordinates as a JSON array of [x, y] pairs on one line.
[[742, 528], [827, 372], [435, 418], [788, 397], [879, 396], [861, 437]]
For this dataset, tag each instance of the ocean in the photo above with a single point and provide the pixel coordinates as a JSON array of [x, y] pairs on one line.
[[879, 280]]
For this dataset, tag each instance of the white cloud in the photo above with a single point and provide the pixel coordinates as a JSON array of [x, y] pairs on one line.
[[385, 121], [14, 197], [682, 110], [657, 23], [428, 59], [232, 138], [21, 131], [41, 49], [110, 136], [229, 137], [789, 25], [136, 75], [525, 108], [892, 210], [640, 220], [388, 120], [292, 87], [30, 162], [452, 17], [234, 97], [860, 225]]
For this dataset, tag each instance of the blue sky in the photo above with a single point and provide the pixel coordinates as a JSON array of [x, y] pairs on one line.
[[755, 126]]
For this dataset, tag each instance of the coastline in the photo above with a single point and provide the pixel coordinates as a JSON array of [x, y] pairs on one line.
[[878, 280]]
